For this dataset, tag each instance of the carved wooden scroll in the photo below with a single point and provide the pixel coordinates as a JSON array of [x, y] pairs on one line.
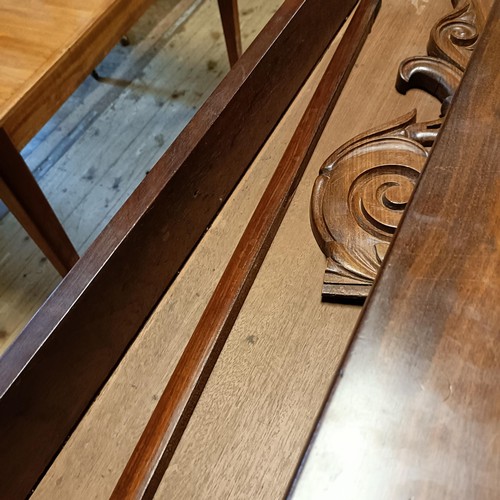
[[454, 37], [158, 442], [364, 186]]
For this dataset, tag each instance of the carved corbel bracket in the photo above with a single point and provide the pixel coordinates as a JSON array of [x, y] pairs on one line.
[[364, 186], [358, 200]]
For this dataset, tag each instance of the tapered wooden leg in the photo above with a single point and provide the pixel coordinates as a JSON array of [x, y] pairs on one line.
[[24, 198], [231, 26]]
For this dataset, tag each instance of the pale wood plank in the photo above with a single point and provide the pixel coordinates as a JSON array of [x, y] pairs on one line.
[[246, 434]]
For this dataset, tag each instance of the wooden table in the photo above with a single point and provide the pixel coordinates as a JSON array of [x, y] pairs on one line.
[[47, 48]]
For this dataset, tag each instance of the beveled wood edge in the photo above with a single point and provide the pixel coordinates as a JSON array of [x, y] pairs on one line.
[[374, 300], [54, 369]]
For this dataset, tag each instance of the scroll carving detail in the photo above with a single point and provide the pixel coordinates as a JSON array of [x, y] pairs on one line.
[[364, 186], [454, 37], [437, 77], [358, 200]]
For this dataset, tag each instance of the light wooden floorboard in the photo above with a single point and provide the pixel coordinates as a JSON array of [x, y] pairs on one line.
[[97, 148]]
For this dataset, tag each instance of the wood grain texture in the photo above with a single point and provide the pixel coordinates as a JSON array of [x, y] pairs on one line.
[[358, 200], [40, 67], [90, 156], [364, 186], [100, 306], [247, 432], [416, 412], [23, 196], [44, 62], [164, 430], [255, 414]]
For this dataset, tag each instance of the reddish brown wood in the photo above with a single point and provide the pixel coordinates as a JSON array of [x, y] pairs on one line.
[[159, 440], [231, 26], [54, 369], [24, 198], [419, 397]]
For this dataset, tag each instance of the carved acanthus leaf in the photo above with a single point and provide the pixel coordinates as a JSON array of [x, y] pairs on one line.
[[358, 200], [454, 37], [363, 188]]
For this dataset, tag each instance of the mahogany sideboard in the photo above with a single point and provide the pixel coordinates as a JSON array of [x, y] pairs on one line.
[[79, 384]]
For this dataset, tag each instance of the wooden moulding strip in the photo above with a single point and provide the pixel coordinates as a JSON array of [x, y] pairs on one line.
[[157, 444], [55, 368], [424, 359]]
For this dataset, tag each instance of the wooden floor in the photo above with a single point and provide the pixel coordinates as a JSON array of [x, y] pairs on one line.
[[105, 138]]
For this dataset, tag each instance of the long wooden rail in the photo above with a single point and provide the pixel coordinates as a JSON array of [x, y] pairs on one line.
[[54, 369], [416, 411], [47, 50], [159, 440]]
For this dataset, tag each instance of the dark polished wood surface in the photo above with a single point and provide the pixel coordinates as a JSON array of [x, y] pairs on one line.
[[416, 412], [57, 365], [164, 430]]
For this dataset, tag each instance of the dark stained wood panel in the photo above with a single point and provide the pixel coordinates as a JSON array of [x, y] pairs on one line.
[[55, 368], [416, 412]]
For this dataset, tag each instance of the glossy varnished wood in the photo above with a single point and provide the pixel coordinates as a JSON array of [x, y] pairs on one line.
[[81, 332], [164, 430], [416, 411], [363, 188]]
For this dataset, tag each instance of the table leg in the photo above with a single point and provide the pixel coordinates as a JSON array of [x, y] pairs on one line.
[[24, 198], [231, 26]]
